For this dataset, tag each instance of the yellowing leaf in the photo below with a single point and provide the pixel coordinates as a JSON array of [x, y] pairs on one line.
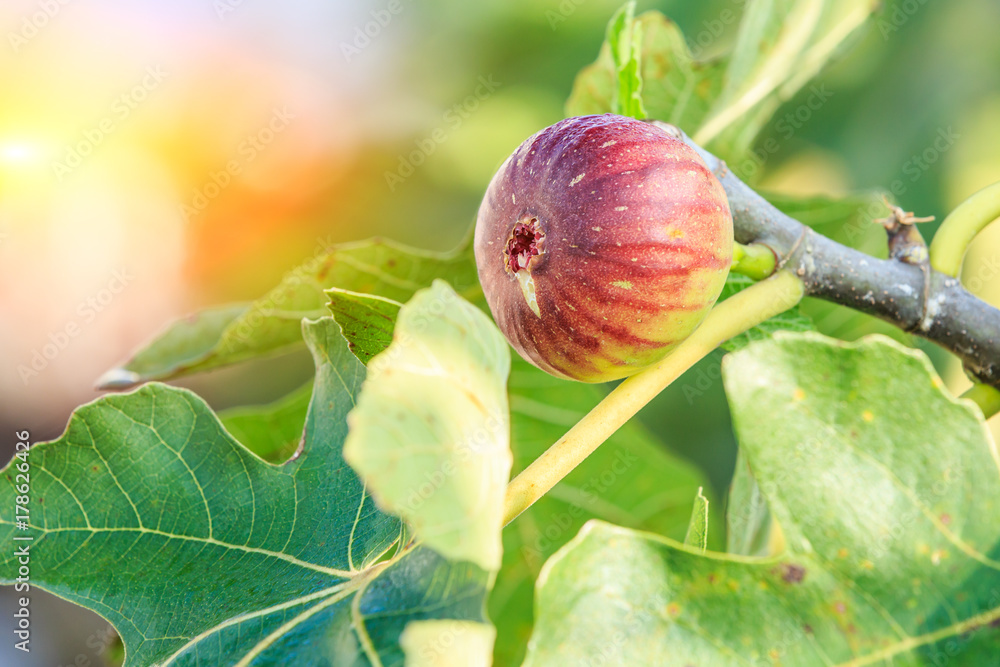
[[448, 644], [430, 434]]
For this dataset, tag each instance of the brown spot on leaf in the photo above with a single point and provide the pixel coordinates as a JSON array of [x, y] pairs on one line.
[[792, 573]]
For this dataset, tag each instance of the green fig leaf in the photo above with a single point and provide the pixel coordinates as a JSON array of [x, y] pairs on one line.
[[724, 102], [675, 88], [790, 320], [273, 431], [430, 434], [448, 644], [888, 492], [365, 319], [149, 513], [624, 38], [697, 532], [750, 528], [632, 480], [271, 324]]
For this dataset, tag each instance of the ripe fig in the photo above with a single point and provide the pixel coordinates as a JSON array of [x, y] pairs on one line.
[[601, 243]]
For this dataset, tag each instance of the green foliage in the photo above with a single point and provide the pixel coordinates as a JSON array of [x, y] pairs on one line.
[[725, 101], [357, 520], [272, 432], [790, 320], [631, 480], [271, 324], [887, 490], [625, 43], [697, 533], [430, 433], [677, 89], [182, 344], [750, 528], [147, 511], [365, 319]]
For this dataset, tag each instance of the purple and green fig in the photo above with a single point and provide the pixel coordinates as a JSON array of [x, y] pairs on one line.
[[602, 243]]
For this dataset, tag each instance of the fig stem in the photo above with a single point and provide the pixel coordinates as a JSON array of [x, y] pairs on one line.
[[738, 313], [961, 226], [754, 260], [986, 397]]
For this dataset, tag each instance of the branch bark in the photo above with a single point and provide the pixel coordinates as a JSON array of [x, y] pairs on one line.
[[914, 298]]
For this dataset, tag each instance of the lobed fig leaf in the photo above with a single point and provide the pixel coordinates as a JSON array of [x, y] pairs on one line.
[[200, 553]]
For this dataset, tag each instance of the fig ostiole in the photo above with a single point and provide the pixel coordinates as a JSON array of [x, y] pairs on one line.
[[602, 242]]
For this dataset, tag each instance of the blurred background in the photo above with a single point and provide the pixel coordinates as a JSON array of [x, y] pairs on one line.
[[160, 157]]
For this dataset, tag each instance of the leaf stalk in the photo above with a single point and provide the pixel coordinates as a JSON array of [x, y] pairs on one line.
[[731, 317], [961, 226]]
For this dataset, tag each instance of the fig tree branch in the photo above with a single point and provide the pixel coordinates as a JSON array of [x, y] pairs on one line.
[[914, 297]]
